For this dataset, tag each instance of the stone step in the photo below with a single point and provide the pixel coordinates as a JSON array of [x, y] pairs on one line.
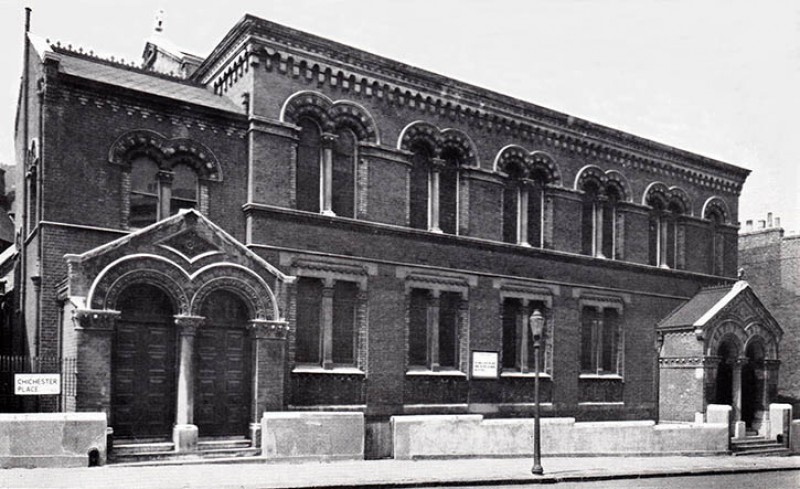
[[139, 453], [777, 451], [134, 448], [223, 444]]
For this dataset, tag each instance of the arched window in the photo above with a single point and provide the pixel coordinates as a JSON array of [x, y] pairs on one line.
[[610, 238], [419, 183], [309, 154], [666, 235], [591, 219], [448, 192], [512, 200], [716, 250], [144, 192], [523, 207], [184, 189], [343, 179]]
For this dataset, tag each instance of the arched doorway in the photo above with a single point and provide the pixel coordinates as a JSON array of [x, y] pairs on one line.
[[753, 384], [143, 365], [727, 354], [222, 382]]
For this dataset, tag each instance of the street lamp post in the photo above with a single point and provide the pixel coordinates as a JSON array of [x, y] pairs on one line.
[[537, 329]]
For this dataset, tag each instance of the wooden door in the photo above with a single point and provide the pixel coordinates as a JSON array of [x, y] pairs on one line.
[[223, 368], [143, 367]]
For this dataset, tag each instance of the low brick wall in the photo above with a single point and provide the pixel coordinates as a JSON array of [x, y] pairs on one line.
[[312, 436], [52, 439], [473, 436]]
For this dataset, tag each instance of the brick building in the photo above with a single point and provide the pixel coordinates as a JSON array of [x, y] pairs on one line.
[[359, 229], [770, 260]]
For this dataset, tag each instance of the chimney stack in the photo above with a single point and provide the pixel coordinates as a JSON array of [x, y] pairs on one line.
[[748, 225], [769, 219], [777, 222], [762, 224]]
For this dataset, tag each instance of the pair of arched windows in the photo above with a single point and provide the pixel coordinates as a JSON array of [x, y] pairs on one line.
[[666, 241], [523, 206], [434, 183], [601, 224], [156, 194], [326, 170]]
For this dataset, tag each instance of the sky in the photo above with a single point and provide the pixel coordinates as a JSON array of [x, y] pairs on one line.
[[718, 78]]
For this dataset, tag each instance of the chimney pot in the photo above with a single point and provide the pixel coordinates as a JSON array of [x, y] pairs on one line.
[[777, 222], [762, 224], [748, 225], [769, 219]]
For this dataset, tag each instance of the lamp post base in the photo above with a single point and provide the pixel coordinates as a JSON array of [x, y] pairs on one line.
[[537, 470]]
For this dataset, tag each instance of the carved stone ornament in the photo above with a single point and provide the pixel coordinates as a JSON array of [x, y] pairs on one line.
[[269, 330], [96, 319]]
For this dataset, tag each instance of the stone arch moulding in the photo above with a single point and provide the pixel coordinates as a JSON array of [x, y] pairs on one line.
[[618, 180], [259, 297], [531, 163], [590, 173], [439, 140], [677, 194], [724, 331], [330, 115], [716, 204], [139, 269], [757, 331], [166, 152], [656, 190]]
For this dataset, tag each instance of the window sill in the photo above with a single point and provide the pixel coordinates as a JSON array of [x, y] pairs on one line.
[[316, 369], [525, 375], [601, 376], [423, 372]]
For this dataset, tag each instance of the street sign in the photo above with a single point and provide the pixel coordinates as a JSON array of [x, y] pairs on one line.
[[37, 384]]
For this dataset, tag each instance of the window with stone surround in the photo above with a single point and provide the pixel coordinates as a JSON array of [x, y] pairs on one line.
[[326, 322], [517, 302], [715, 212], [437, 323], [330, 316], [601, 338]]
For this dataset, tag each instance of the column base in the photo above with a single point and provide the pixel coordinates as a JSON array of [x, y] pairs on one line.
[[255, 435], [739, 430], [185, 436]]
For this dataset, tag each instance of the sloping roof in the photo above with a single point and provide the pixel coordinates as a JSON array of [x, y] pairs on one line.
[[133, 79], [703, 306], [100, 70]]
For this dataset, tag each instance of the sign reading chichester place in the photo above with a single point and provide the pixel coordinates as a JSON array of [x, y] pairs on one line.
[[37, 384], [485, 365]]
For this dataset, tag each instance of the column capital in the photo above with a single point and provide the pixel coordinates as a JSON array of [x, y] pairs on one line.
[[165, 176], [187, 325], [96, 319], [437, 163], [269, 330], [328, 139]]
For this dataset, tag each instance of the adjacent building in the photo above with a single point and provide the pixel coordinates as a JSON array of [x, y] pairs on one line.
[[293, 224], [770, 260]]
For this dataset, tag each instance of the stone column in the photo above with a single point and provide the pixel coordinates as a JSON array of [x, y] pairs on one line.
[[433, 331], [598, 228], [522, 212], [433, 192], [95, 336], [185, 433], [164, 193], [326, 324], [326, 185], [269, 370], [662, 241]]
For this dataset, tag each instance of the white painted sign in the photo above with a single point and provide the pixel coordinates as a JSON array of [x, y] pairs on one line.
[[485, 365], [37, 384]]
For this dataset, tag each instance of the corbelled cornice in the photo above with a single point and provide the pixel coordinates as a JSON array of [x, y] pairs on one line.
[[298, 54]]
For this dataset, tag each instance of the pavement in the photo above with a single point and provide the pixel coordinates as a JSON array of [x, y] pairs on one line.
[[239, 474]]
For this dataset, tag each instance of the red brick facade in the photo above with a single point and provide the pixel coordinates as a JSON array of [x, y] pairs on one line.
[[236, 121]]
